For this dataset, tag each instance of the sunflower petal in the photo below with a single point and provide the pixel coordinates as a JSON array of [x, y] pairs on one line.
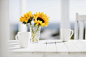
[[41, 19]]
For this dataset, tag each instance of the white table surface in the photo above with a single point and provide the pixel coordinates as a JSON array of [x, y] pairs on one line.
[[46, 48]]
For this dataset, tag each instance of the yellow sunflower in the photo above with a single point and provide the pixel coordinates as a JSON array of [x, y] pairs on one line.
[[26, 17], [41, 19]]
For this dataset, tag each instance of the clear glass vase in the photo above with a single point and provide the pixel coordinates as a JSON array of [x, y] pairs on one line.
[[35, 33]]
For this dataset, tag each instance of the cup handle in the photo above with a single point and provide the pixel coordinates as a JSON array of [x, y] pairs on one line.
[[16, 37], [71, 33]]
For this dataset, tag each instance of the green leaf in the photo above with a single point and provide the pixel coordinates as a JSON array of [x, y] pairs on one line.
[[24, 22], [39, 25], [31, 18]]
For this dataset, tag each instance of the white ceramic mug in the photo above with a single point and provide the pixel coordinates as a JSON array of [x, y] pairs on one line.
[[24, 38], [66, 34]]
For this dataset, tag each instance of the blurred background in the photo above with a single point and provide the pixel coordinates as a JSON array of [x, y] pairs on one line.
[[52, 8]]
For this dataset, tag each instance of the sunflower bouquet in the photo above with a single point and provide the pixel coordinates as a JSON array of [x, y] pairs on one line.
[[36, 21]]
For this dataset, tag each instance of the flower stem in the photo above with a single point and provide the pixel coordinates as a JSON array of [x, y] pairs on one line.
[[34, 33], [31, 28]]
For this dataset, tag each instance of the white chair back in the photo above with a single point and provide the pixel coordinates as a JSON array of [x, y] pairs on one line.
[[80, 19]]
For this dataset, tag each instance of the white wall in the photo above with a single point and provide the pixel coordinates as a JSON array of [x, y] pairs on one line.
[[0, 26], [4, 26], [23, 7], [65, 24]]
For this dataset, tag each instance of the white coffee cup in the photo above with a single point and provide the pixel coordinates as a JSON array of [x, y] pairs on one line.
[[66, 34], [24, 38]]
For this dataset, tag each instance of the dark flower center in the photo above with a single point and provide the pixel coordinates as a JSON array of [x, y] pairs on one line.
[[40, 19]]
